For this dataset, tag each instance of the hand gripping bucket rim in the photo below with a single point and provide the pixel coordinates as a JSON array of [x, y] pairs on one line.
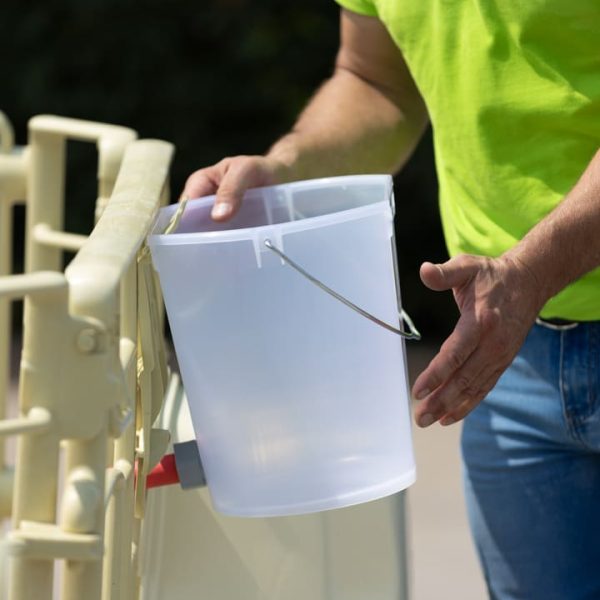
[[169, 213], [356, 206]]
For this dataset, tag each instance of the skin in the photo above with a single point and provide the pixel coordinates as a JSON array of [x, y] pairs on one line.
[[368, 118]]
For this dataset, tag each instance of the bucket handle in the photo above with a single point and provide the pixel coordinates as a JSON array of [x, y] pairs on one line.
[[413, 334]]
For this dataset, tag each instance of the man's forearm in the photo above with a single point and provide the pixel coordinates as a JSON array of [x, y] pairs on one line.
[[350, 126], [566, 243], [367, 118]]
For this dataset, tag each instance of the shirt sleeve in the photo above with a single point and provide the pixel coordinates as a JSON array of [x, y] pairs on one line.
[[362, 7]]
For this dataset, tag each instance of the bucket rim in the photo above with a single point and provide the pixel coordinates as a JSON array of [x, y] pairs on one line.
[[250, 233]]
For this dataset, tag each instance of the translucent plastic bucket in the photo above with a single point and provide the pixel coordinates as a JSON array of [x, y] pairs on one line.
[[299, 403]]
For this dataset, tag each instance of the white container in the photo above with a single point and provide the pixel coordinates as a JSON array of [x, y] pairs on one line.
[[298, 402]]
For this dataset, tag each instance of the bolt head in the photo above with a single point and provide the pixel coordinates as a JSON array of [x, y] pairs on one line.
[[87, 341]]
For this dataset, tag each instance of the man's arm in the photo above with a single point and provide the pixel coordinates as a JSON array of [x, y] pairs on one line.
[[499, 300], [367, 118]]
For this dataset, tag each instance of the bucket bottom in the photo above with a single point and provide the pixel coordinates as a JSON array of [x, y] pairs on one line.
[[360, 496]]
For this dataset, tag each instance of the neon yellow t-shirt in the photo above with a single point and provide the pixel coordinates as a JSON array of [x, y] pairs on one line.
[[513, 93]]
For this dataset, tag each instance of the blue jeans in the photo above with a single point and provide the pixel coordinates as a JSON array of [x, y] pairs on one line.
[[531, 455]]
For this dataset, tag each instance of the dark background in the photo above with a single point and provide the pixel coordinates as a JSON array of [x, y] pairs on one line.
[[216, 78]]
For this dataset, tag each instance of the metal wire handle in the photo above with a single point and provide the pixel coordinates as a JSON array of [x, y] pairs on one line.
[[176, 216], [412, 335]]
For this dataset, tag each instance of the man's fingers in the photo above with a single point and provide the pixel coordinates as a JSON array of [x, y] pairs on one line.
[[239, 176], [462, 410], [230, 193], [204, 182], [452, 355], [464, 389], [229, 180], [494, 354], [453, 273]]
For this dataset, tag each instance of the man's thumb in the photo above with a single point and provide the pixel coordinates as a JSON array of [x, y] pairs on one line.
[[453, 273]]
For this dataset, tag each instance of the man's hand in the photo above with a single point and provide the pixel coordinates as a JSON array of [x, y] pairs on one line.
[[230, 178], [499, 300]]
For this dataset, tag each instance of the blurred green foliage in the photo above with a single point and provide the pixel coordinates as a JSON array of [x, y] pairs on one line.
[[217, 78]]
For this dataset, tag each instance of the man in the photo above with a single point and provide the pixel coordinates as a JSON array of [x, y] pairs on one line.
[[512, 90]]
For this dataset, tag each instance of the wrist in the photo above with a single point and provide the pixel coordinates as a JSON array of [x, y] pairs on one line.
[[531, 280], [282, 159]]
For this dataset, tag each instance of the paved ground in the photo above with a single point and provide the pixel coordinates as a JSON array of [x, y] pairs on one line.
[[444, 564]]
